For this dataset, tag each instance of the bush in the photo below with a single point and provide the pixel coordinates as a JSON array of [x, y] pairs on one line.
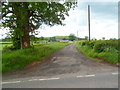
[[83, 43], [8, 48], [100, 47], [106, 49], [113, 44], [107, 45], [91, 44]]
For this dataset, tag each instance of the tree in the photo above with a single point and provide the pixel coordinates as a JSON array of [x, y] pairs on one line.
[[34, 39], [86, 37], [94, 39], [72, 37], [52, 39], [103, 38], [64, 38], [81, 38], [25, 17], [41, 38]]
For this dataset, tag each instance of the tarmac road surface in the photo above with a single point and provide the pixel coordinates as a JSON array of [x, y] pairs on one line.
[[65, 68]]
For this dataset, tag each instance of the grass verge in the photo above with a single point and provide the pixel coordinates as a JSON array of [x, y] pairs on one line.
[[110, 56], [12, 60]]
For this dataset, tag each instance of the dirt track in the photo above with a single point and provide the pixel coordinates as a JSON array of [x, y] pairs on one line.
[[66, 61]]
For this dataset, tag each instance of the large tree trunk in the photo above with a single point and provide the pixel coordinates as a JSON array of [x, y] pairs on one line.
[[26, 40], [25, 26], [22, 22]]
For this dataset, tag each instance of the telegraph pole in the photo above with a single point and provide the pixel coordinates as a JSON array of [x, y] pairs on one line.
[[89, 20]]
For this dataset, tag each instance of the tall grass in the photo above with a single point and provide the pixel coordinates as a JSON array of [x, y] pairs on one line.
[[106, 50], [20, 58]]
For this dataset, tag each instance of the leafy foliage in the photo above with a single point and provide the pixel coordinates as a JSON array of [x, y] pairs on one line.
[[52, 39], [72, 37], [108, 50], [25, 17]]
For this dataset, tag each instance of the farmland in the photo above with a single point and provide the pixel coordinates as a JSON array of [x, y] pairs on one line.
[[59, 37], [101, 50], [5, 44]]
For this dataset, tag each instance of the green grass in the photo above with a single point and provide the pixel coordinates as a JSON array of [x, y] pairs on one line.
[[4, 44], [58, 37], [1, 47], [12, 60], [110, 56]]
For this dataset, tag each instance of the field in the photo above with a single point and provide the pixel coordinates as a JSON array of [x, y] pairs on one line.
[[101, 50], [5, 44], [16, 59], [59, 37]]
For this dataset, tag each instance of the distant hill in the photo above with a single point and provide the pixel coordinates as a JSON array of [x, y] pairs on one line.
[[59, 37]]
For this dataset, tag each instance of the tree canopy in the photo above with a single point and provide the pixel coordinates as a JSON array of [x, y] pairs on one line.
[[72, 37], [25, 17]]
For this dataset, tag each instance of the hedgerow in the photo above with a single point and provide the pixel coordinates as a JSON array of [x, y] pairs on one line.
[[108, 49]]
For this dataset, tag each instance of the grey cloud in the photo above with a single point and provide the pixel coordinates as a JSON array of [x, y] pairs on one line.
[[107, 10]]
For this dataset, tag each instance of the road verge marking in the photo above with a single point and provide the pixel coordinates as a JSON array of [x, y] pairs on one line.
[[80, 76], [86, 76], [10, 82], [89, 75], [114, 73], [49, 79], [33, 80]]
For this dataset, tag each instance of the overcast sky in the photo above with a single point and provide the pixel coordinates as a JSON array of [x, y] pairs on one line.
[[104, 21]]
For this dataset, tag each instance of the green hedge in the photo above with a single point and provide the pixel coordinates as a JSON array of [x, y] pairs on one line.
[[101, 45], [108, 49]]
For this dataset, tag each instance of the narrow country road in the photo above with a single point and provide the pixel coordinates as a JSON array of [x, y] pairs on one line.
[[66, 63]]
